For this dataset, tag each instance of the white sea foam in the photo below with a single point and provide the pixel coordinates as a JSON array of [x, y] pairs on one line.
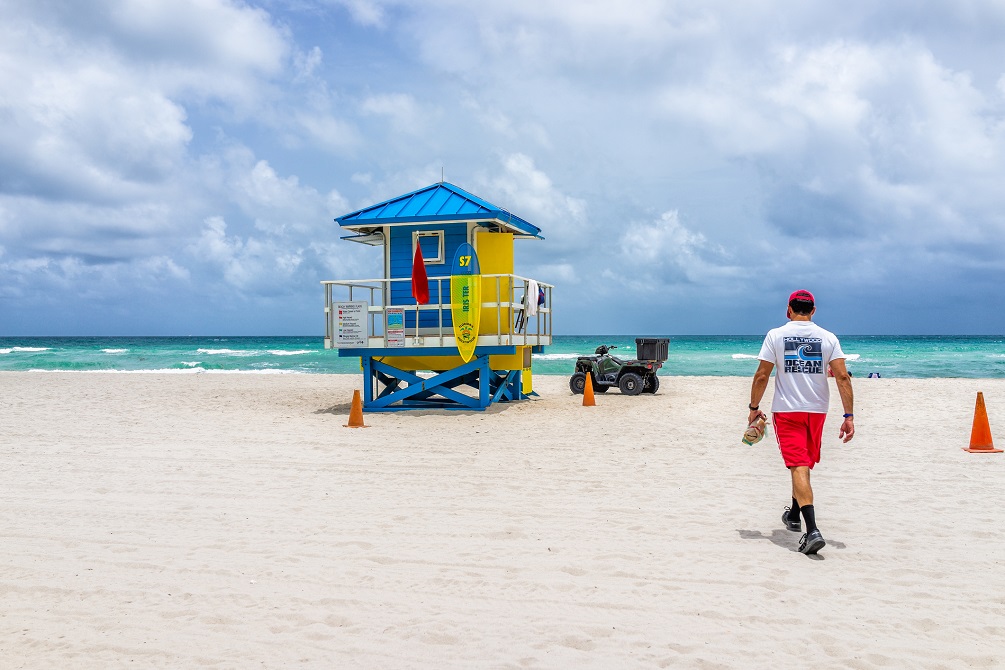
[[114, 351], [187, 371], [191, 364], [853, 357], [226, 352], [555, 357], [737, 357], [256, 372], [19, 350], [282, 352], [161, 371]]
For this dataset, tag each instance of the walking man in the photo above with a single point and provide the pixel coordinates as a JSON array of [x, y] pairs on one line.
[[802, 351]]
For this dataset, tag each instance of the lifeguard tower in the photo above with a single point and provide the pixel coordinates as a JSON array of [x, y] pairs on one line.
[[409, 352]]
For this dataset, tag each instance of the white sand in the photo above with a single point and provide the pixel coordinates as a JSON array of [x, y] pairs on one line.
[[231, 521]]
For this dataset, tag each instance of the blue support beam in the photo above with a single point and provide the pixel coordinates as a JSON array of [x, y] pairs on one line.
[[404, 389], [508, 387]]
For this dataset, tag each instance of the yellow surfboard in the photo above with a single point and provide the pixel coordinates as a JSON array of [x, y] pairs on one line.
[[466, 300]]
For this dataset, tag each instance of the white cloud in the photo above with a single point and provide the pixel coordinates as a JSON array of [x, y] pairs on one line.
[[251, 264], [288, 246], [548, 37], [88, 130], [104, 182], [278, 204], [662, 253], [213, 33], [326, 130], [306, 63], [101, 233], [366, 12], [529, 193], [101, 111], [401, 109], [857, 136], [69, 282]]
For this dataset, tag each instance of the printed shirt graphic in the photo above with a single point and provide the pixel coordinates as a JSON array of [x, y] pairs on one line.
[[801, 352]]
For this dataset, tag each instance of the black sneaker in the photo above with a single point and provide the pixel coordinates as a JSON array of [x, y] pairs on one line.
[[811, 542], [794, 525]]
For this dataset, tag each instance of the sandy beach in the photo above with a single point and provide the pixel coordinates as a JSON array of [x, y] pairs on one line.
[[230, 521]]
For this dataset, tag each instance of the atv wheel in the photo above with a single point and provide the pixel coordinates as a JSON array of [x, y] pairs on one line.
[[652, 384], [630, 384], [598, 387], [577, 383]]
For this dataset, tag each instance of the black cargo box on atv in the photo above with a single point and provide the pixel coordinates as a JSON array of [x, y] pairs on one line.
[[652, 348]]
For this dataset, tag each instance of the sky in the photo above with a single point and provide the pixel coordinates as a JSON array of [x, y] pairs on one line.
[[173, 167]]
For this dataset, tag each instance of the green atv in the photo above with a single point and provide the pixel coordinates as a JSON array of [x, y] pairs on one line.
[[631, 376]]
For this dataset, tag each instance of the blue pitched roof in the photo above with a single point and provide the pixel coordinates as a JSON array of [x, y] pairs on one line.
[[438, 202]]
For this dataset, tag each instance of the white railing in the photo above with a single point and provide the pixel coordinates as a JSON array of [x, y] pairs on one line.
[[504, 321]]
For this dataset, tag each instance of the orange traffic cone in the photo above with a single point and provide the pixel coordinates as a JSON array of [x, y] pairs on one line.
[[356, 412], [588, 400], [980, 436]]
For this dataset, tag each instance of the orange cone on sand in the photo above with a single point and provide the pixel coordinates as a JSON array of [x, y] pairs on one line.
[[980, 436], [588, 400], [356, 412]]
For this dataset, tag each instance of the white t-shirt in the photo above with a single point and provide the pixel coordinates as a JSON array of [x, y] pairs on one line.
[[801, 352]]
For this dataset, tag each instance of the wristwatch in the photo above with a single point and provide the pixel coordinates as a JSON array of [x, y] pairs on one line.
[[753, 408]]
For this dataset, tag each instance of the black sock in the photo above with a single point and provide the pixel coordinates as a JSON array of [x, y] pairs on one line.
[[794, 510], [811, 522]]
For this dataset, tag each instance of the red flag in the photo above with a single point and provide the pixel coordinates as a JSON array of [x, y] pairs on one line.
[[420, 284]]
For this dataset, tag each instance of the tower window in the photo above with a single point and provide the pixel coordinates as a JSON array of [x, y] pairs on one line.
[[431, 242]]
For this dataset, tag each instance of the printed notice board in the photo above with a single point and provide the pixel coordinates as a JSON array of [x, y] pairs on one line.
[[350, 323], [395, 326]]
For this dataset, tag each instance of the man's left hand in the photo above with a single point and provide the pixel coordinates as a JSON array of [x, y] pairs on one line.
[[847, 429]]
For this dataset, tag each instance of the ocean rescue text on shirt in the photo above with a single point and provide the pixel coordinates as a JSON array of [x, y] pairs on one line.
[[804, 354]]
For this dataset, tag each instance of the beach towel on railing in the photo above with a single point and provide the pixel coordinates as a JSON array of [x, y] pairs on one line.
[[533, 297]]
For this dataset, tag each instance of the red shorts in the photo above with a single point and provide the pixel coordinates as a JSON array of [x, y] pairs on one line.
[[799, 435]]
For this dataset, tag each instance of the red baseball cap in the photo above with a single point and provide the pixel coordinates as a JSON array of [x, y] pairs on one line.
[[802, 295]]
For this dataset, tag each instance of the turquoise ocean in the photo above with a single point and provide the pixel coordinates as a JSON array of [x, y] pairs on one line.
[[713, 356]]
